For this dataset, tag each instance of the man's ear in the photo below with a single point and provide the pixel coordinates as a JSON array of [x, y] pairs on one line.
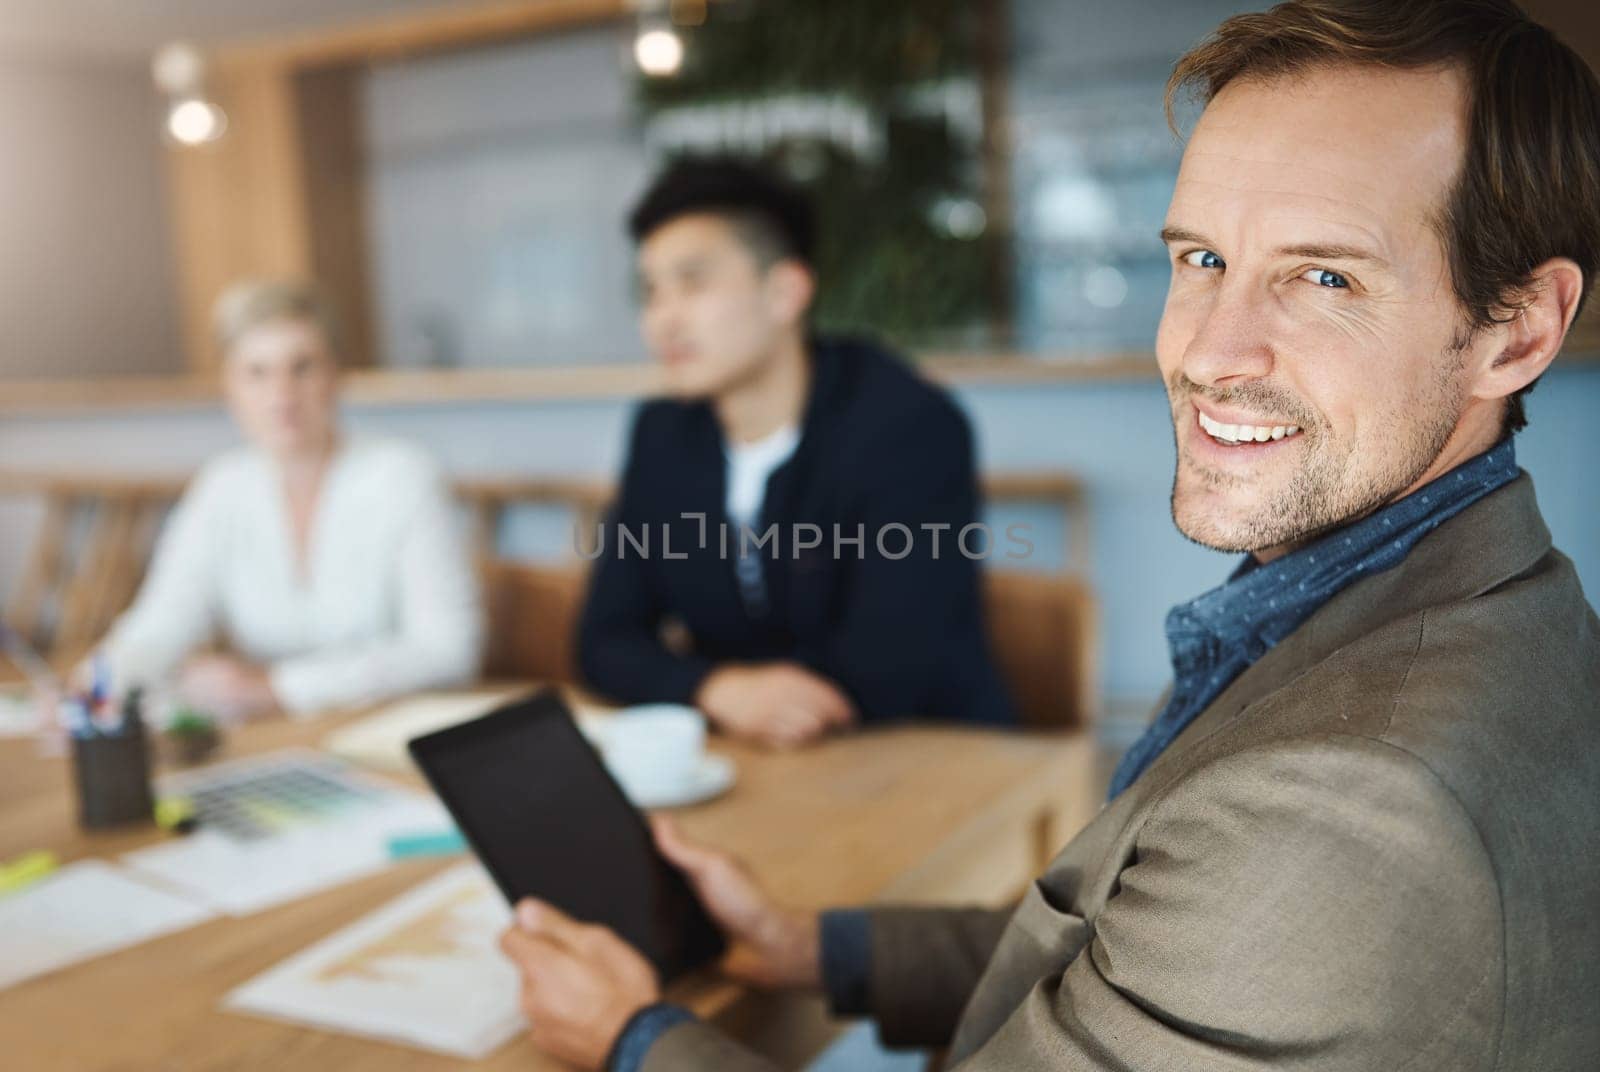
[[790, 290], [1534, 335]]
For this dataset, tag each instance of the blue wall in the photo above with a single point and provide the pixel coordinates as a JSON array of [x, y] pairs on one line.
[[1117, 436]]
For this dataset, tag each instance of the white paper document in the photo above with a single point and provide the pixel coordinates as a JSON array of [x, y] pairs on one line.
[[425, 970], [380, 739], [82, 911], [281, 826], [19, 713]]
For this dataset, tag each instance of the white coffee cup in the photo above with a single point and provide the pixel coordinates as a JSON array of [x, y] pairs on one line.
[[654, 751]]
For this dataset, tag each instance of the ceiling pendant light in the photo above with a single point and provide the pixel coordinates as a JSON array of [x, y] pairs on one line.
[[192, 118]]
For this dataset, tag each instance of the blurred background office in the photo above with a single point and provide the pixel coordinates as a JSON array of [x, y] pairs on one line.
[[992, 176]]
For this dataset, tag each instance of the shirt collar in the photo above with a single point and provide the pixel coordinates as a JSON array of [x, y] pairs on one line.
[[1259, 605]]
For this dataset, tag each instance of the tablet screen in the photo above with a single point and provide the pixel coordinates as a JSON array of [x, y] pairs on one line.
[[532, 797]]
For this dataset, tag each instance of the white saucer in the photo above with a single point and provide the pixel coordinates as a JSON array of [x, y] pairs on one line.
[[714, 777]]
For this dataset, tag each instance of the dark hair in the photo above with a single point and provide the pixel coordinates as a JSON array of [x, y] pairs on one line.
[[773, 218], [1529, 185]]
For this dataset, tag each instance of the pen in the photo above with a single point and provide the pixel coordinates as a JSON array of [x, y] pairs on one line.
[[75, 716], [176, 814]]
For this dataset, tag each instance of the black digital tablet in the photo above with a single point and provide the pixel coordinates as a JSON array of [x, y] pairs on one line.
[[538, 806]]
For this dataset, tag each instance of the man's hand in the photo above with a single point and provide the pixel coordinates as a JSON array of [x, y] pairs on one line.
[[227, 688], [780, 705], [581, 984], [771, 946]]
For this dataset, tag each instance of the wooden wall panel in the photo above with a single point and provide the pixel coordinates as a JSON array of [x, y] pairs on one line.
[[282, 193], [334, 177], [239, 205]]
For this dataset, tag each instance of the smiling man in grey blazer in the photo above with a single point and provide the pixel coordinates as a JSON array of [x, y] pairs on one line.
[[1361, 832]]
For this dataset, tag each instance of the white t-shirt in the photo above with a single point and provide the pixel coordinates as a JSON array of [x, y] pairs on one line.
[[749, 466], [388, 603]]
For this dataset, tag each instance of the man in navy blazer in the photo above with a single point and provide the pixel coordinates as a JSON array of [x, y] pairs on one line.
[[801, 512]]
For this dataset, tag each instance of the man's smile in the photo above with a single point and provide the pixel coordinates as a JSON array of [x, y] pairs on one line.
[[1229, 439], [1242, 433]]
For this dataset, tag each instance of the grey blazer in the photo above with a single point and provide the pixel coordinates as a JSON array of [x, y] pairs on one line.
[[1376, 851]]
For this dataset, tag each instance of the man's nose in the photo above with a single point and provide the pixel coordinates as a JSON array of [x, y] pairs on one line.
[[1231, 343], [280, 390], [661, 316]]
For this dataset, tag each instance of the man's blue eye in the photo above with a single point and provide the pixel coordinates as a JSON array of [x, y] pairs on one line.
[[1203, 258], [1324, 278]]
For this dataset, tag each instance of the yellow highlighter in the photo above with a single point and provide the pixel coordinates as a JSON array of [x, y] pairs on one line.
[[28, 868], [176, 814]]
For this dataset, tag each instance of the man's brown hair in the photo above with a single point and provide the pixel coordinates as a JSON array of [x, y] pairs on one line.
[[1529, 184]]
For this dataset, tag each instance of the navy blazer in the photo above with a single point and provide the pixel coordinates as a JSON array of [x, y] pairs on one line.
[[903, 636]]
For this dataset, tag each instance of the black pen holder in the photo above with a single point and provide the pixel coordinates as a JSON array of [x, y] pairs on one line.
[[113, 778]]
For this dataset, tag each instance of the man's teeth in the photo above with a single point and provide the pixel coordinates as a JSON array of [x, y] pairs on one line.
[[1246, 433]]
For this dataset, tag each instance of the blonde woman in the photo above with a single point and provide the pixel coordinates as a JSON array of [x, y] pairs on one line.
[[330, 565]]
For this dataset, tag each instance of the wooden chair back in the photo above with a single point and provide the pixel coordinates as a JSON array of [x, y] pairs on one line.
[[91, 550], [487, 502], [532, 613], [1044, 638], [88, 557], [1042, 634], [90, 554]]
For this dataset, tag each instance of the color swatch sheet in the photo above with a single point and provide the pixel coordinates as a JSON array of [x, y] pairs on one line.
[[425, 970], [280, 826]]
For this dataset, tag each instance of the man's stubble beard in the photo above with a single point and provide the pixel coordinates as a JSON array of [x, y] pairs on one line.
[[1327, 491]]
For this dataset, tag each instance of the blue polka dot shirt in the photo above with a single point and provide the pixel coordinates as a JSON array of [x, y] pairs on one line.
[[1217, 636]]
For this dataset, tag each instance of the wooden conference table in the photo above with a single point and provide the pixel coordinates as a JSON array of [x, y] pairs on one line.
[[906, 814]]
